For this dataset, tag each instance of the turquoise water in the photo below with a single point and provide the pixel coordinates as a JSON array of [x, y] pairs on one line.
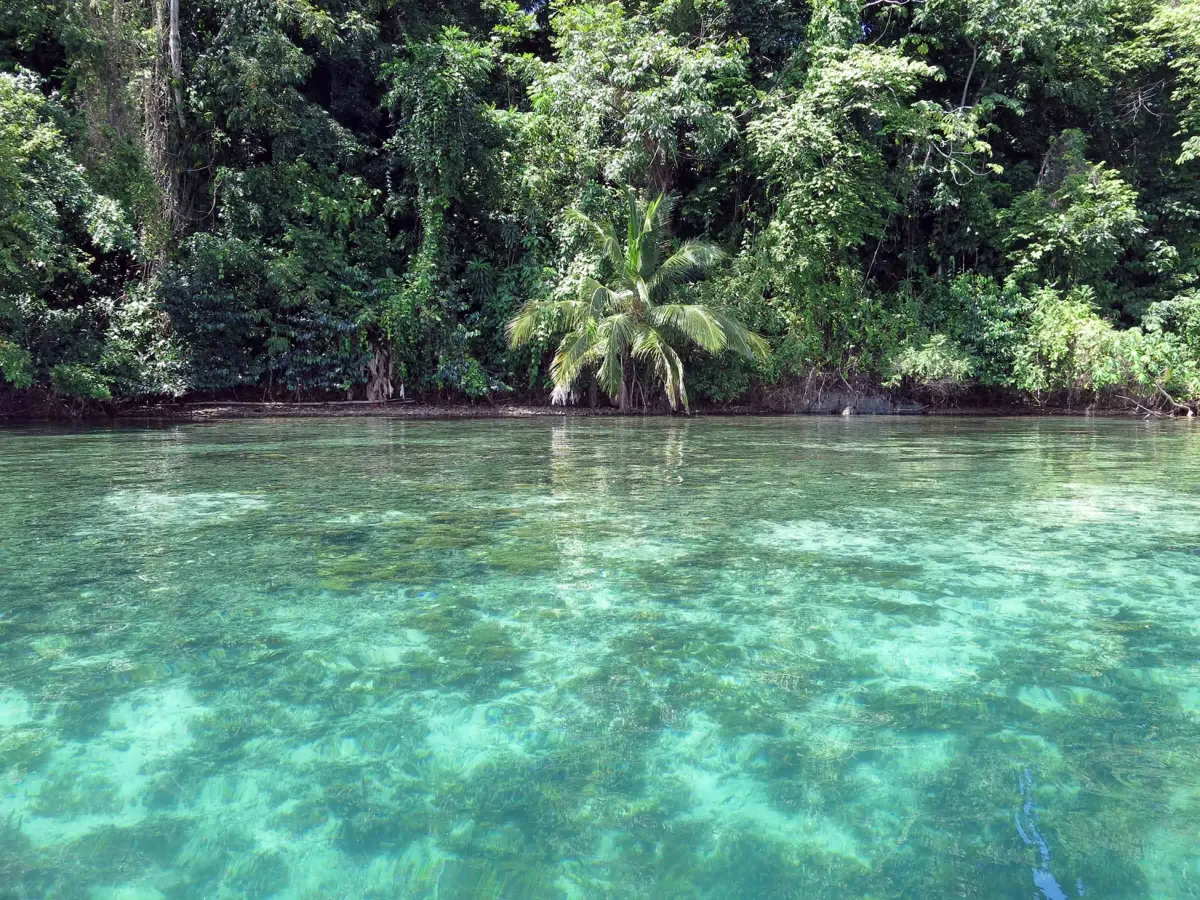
[[793, 658]]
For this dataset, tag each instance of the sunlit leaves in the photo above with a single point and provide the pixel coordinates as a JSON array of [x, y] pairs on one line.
[[56, 234], [1076, 223], [637, 101], [1178, 25]]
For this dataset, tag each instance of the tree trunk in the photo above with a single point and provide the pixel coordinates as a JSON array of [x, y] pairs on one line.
[[175, 52], [379, 380]]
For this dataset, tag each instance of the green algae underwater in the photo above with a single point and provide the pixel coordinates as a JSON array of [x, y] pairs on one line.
[[793, 658]]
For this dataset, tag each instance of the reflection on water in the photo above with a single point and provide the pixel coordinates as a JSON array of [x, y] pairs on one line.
[[795, 658]]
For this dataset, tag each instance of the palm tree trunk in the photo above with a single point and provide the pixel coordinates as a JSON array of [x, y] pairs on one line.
[[625, 396]]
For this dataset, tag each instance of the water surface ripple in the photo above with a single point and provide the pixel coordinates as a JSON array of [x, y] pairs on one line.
[[762, 658]]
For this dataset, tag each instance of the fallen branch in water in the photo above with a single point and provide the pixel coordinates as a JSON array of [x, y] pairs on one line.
[[1149, 412], [1175, 403]]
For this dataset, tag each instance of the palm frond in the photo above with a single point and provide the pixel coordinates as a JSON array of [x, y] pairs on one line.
[[633, 225], [576, 349], [741, 339], [598, 297], [613, 249], [654, 223], [690, 262], [658, 216], [698, 324], [642, 291], [616, 332], [524, 326], [662, 224], [673, 361], [649, 344], [553, 315], [604, 235], [633, 235]]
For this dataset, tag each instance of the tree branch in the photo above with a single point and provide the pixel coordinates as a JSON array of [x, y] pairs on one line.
[[1174, 403], [962, 104]]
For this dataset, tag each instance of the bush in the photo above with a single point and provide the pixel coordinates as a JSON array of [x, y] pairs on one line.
[[75, 380], [1068, 348], [61, 247], [937, 364]]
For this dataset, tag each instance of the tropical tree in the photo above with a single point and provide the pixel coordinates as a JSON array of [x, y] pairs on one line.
[[631, 319]]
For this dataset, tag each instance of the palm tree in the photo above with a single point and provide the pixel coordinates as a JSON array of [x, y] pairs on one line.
[[629, 319]]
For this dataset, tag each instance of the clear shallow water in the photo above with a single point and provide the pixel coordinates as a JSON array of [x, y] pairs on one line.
[[794, 658]]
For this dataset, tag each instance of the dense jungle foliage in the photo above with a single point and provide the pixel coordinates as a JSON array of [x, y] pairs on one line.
[[352, 198]]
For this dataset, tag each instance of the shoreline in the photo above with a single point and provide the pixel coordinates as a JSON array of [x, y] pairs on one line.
[[219, 411]]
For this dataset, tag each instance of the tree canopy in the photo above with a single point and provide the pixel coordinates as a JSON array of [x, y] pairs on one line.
[[342, 198]]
